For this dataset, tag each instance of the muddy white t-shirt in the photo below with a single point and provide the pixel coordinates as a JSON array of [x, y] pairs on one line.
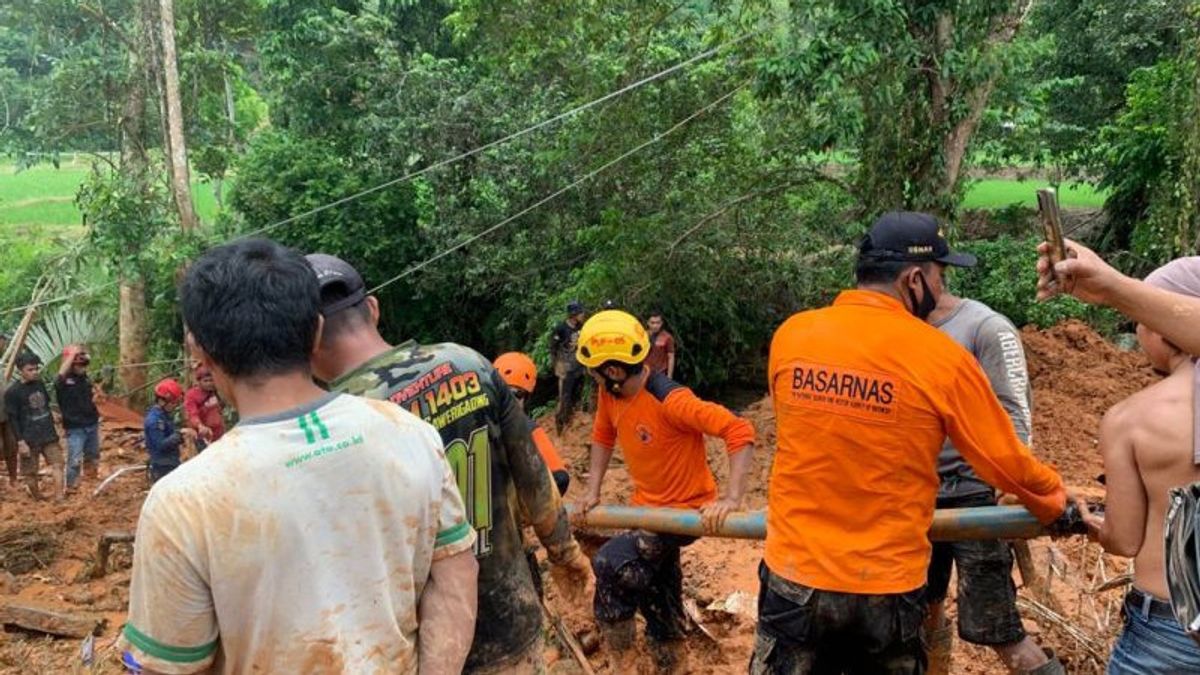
[[297, 543]]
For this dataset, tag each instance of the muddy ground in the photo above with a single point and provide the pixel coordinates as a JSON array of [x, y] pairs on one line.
[[1076, 376]]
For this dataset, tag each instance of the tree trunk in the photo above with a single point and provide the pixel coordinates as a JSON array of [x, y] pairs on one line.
[[959, 138], [135, 166], [181, 185], [230, 108], [132, 334]]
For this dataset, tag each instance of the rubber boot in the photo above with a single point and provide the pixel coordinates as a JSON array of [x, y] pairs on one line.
[[620, 637], [91, 469], [1051, 667], [670, 656]]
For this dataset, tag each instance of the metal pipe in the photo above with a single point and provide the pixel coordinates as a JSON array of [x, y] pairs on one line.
[[988, 522]]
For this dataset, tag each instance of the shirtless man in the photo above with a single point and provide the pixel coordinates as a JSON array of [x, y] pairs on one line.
[[1148, 445]]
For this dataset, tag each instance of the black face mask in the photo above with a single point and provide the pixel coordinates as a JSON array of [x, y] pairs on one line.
[[927, 304], [610, 385]]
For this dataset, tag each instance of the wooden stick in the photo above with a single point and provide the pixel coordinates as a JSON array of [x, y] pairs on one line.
[[1037, 584], [568, 639], [18, 339], [48, 621]]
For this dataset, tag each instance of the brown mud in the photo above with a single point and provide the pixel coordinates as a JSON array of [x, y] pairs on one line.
[[1076, 377]]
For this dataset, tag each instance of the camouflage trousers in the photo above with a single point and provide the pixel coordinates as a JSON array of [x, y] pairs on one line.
[[639, 571], [803, 631]]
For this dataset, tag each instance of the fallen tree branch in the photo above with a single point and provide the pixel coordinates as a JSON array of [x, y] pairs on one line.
[[50, 622]]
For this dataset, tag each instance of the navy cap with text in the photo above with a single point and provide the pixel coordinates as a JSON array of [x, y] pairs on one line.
[[909, 236]]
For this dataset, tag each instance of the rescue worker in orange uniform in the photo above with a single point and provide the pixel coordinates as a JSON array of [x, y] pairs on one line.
[[660, 426], [865, 393], [520, 373]]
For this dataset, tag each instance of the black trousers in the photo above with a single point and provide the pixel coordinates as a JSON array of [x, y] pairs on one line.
[[570, 384], [803, 630]]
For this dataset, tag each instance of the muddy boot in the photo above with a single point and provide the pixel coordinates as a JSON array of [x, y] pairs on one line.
[[670, 656], [1051, 667], [91, 469], [939, 647], [620, 638]]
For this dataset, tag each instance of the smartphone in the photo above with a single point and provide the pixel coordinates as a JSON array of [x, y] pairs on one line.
[[1052, 224]]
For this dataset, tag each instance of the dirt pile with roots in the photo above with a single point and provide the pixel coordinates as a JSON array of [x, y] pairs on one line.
[[1076, 376]]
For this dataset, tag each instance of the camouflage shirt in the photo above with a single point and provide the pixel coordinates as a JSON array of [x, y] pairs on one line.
[[500, 474]]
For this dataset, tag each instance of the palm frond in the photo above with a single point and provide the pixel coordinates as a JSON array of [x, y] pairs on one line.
[[66, 326]]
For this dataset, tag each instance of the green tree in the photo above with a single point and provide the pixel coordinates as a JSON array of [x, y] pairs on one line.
[[903, 82]]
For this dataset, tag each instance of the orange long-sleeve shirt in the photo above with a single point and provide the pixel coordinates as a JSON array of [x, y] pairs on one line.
[[661, 432], [864, 395], [549, 452]]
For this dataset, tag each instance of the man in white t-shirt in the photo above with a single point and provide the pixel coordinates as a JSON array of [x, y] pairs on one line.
[[324, 533]]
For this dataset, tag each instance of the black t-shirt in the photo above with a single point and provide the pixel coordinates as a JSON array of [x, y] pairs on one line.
[[500, 475], [563, 342], [75, 401], [28, 405]]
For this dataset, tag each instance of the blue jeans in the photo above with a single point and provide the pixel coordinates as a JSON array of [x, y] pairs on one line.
[[83, 443], [1152, 645]]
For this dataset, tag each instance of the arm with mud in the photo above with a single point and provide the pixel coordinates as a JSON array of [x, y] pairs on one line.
[[446, 613], [536, 490]]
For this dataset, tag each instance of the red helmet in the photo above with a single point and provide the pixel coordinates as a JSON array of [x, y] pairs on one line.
[[78, 355], [168, 390], [518, 370]]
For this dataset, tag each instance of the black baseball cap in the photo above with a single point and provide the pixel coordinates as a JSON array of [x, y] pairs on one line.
[[908, 236], [333, 271], [575, 307]]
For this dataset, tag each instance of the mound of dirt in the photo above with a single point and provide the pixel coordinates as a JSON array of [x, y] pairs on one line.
[[1077, 375]]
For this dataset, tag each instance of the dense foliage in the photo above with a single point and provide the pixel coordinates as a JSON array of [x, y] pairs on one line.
[[728, 193]]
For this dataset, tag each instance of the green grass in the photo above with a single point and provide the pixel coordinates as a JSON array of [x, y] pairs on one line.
[[44, 196], [996, 193], [41, 200]]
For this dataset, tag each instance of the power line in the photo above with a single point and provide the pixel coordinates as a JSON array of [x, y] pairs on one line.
[[554, 195], [501, 141], [439, 164]]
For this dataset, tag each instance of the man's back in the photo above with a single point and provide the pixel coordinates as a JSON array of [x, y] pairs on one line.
[[489, 446], [994, 342], [864, 395], [306, 536], [1157, 423]]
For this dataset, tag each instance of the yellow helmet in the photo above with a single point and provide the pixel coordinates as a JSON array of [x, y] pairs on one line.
[[612, 335]]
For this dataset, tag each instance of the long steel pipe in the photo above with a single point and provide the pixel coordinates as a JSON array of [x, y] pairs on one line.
[[989, 522]]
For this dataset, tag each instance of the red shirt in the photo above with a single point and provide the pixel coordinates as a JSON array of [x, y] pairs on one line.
[[661, 432], [204, 407], [661, 346]]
